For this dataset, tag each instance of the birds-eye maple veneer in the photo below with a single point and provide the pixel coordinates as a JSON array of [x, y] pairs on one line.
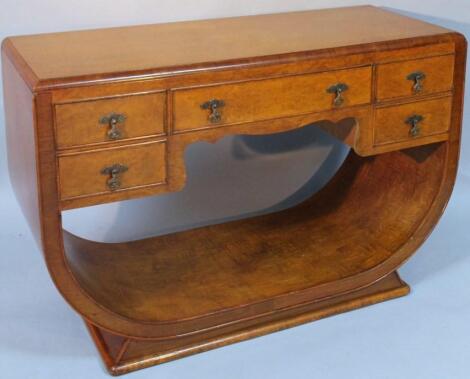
[[105, 115]]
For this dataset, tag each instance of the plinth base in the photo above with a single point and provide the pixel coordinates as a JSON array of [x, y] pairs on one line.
[[122, 355]]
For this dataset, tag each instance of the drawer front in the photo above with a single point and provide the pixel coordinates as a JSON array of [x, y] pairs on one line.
[[414, 78], [90, 173], [108, 120], [412, 121], [270, 98]]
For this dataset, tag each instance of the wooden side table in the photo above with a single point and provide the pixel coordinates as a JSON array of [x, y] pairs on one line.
[[105, 115]]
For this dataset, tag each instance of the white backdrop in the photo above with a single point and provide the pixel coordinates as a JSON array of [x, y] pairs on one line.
[[422, 336]]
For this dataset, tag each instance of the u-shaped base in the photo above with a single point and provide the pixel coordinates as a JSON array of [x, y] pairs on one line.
[[153, 300], [182, 293]]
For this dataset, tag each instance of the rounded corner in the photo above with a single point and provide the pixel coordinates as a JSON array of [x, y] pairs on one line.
[[5, 43]]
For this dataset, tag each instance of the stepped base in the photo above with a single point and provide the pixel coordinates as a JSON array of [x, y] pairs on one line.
[[122, 355]]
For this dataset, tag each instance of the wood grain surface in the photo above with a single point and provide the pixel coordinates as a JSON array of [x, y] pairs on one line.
[[161, 298], [195, 44], [80, 174], [391, 122], [79, 123], [392, 81], [269, 99]]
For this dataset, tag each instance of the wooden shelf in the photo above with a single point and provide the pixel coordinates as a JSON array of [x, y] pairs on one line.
[[267, 262]]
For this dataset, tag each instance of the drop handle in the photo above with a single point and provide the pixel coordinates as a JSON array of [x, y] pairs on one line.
[[214, 105], [114, 172], [338, 90], [414, 123], [112, 120], [417, 77]]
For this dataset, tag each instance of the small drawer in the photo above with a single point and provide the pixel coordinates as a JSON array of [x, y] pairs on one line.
[[415, 77], [111, 170], [412, 121], [107, 120], [270, 98]]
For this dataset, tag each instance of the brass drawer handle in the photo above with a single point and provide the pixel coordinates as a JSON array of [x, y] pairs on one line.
[[114, 171], [414, 121], [215, 116], [417, 77], [338, 90], [112, 120]]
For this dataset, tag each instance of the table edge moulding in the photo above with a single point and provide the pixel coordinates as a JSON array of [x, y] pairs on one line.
[[105, 115]]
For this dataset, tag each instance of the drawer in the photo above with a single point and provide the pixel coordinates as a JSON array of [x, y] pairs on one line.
[[395, 123], [269, 98], [415, 77], [109, 119], [90, 173]]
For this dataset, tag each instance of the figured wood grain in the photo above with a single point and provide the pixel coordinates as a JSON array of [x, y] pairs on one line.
[[67, 90], [125, 355], [179, 142], [200, 44], [20, 136], [268, 99], [79, 123], [164, 297], [80, 173], [391, 125], [392, 79]]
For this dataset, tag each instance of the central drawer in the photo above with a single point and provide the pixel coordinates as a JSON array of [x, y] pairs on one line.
[[210, 106]]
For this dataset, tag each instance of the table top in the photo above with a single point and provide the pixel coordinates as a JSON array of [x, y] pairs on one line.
[[195, 44]]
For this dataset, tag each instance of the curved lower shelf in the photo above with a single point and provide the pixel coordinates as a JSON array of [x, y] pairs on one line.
[[351, 234]]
